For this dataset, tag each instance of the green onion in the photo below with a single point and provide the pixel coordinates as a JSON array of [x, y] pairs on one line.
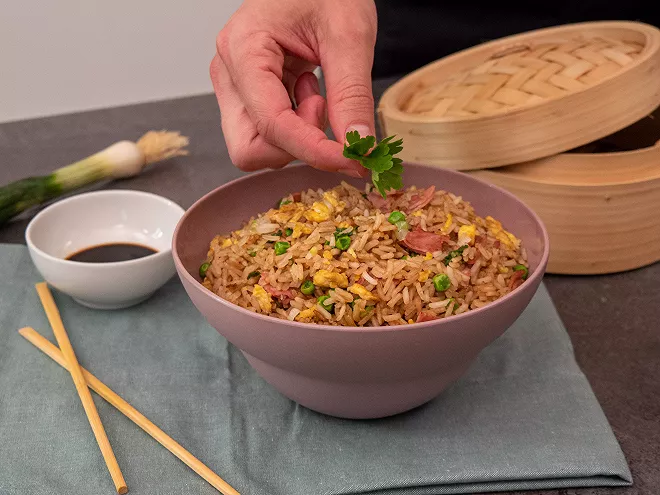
[[203, 269], [253, 274], [278, 233], [307, 287], [521, 268], [281, 247], [342, 242], [396, 217], [328, 307], [352, 303], [326, 243], [288, 232], [252, 253], [283, 201], [405, 257], [441, 282], [122, 159], [366, 311], [454, 254]]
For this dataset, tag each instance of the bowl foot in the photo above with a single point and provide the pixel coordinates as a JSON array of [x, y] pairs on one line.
[[116, 305], [356, 400]]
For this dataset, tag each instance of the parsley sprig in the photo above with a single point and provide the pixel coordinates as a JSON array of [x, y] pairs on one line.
[[385, 168]]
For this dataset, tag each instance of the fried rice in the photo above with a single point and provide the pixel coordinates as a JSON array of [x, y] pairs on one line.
[[350, 257]]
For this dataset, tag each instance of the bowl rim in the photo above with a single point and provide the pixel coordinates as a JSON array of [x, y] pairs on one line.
[[533, 279], [161, 253]]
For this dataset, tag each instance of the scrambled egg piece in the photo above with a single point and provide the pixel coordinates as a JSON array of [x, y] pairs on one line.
[[411, 321], [351, 251], [300, 229], [306, 314], [314, 250], [344, 225], [467, 234], [424, 275], [506, 238], [263, 298], [418, 213], [332, 198], [290, 212], [361, 290], [327, 255], [325, 278], [450, 219], [226, 243], [502, 269], [429, 256], [319, 212]]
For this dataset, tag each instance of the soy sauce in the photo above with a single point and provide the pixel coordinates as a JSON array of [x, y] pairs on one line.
[[109, 253]]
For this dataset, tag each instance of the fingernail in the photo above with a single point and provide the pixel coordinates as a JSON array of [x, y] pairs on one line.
[[351, 172], [362, 129]]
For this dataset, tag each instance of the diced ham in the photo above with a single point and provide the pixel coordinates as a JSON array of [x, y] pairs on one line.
[[425, 316], [283, 295], [516, 279], [420, 200], [423, 242], [296, 196], [384, 204]]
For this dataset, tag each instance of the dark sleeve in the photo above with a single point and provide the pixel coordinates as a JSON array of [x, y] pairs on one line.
[[412, 33]]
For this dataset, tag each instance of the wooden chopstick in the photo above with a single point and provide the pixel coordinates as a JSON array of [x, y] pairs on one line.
[[55, 321], [131, 413]]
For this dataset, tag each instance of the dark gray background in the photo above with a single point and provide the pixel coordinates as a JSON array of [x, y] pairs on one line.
[[613, 320]]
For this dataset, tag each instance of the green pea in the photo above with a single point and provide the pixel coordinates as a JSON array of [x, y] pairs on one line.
[[328, 307], [288, 232], [253, 274], [441, 282], [343, 242], [203, 269], [521, 268], [396, 216], [307, 287], [252, 253], [281, 247]]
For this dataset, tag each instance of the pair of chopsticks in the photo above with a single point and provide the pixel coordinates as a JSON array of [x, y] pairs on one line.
[[66, 357]]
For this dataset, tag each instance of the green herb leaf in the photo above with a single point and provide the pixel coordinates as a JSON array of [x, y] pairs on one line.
[[385, 169], [253, 274]]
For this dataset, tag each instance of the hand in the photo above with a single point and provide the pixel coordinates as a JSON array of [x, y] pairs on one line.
[[265, 55]]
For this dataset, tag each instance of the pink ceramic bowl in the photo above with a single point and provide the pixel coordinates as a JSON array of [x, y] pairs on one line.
[[344, 371]]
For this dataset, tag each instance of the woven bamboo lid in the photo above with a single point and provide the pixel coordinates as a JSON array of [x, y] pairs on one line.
[[526, 96]]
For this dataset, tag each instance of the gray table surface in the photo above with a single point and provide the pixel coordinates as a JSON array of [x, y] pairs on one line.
[[613, 320]]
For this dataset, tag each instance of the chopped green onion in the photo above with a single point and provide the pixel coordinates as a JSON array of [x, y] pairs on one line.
[[281, 247], [395, 217], [288, 232], [307, 287], [405, 257], [328, 307], [364, 195], [283, 201], [278, 233], [456, 306], [454, 254], [402, 225], [366, 311], [203, 269], [441, 282], [252, 253], [521, 268], [326, 243], [342, 242], [253, 274]]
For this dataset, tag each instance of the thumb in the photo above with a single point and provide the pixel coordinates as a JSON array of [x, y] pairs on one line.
[[346, 64]]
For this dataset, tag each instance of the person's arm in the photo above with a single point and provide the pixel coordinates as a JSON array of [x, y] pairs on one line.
[[266, 52]]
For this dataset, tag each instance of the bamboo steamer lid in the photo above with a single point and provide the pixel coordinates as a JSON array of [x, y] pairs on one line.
[[527, 96], [600, 209]]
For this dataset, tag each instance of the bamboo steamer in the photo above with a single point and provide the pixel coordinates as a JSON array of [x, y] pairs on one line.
[[527, 96], [601, 209]]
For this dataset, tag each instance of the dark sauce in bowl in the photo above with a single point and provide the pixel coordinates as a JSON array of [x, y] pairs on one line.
[[110, 253]]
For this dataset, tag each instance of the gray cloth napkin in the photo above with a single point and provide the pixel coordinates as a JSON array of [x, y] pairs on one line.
[[523, 417]]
